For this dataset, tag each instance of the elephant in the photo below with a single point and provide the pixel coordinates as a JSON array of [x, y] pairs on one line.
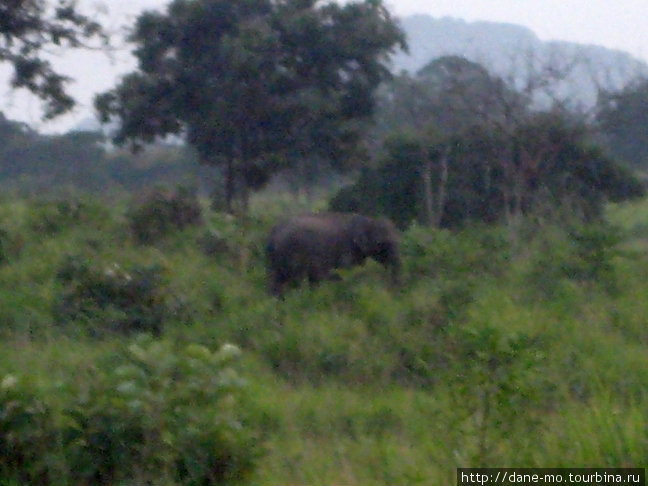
[[313, 245]]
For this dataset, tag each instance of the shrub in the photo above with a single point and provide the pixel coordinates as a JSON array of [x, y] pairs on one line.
[[237, 243], [573, 175], [594, 250], [51, 217], [4, 238], [161, 212], [212, 243], [155, 412], [152, 413], [110, 298], [585, 255], [28, 437], [498, 380], [465, 254]]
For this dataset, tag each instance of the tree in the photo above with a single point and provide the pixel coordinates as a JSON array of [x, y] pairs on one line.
[[253, 85], [453, 106], [562, 168], [560, 174], [446, 100], [623, 119], [49, 165], [35, 163], [27, 29]]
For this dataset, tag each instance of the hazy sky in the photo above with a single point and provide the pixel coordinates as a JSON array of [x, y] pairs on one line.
[[618, 24]]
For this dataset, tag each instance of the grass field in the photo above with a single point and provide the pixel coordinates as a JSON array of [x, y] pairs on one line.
[[496, 351]]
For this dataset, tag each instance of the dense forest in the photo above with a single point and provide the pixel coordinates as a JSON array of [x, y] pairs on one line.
[[139, 342]]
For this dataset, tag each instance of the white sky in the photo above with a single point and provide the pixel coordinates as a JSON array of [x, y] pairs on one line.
[[617, 24]]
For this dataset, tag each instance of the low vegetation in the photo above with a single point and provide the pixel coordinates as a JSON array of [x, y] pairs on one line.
[[138, 340], [169, 363]]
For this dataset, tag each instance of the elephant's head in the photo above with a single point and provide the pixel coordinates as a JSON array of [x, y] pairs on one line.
[[377, 239]]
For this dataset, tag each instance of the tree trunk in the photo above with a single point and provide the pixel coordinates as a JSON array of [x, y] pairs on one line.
[[244, 194], [443, 187], [433, 209], [237, 166], [426, 175], [229, 186], [510, 186]]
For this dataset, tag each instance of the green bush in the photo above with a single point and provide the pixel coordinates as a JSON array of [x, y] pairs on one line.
[[4, 252], [584, 255], [498, 380], [474, 252], [574, 175], [159, 412], [212, 243], [51, 217], [353, 332], [150, 414], [110, 298], [595, 247], [161, 212], [28, 435]]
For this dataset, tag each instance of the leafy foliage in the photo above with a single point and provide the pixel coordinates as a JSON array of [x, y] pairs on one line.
[[561, 175], [447, 97], [586, 255], [27, 434], [475, 346], [474, 252], [77, 162], [162, 212], [27, 30], [623, 121], [111, 299], [4, 243], [48, 217], [151, 411], [247, 83], [496, 375]]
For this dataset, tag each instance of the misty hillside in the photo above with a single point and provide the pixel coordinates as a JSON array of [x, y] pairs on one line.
[[506, 50]]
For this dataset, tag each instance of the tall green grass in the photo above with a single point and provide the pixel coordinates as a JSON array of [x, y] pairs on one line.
[[494, 351]]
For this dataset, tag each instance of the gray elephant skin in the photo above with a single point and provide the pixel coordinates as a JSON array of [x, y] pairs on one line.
[[313, 245]]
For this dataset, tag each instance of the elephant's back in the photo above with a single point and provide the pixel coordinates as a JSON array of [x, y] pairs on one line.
[[327, 222], [308, 231]]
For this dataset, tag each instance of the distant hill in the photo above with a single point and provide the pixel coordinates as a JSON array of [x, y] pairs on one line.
[[506, 48]]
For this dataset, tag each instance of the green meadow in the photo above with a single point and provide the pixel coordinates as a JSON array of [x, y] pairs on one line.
[[126, 360]]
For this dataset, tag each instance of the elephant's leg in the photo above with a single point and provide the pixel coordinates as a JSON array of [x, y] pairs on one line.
[[313, 278], [276, 288], [316, 273], [278, 281]]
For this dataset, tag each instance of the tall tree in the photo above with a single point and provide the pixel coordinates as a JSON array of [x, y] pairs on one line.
[[446, 100], [474, 147], [255, 84], [561, 176], [452, 97], [623, 120], [27, 29]]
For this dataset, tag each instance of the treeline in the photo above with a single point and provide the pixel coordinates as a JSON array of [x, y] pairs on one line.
[[36, 164], [300, 90], [458, 144], [450, 144]]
